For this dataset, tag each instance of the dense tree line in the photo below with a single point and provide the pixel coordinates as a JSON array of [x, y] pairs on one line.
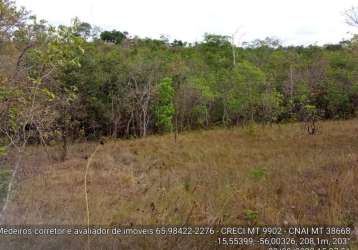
[[65, 83]]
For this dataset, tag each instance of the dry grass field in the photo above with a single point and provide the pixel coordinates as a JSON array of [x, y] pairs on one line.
[[254, 175]]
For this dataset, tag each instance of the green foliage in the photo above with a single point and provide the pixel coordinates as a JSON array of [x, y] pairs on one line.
[[338, 101], [217, 40], [84, 30], [12, 19], [247, 91], [355, 88], [4, 93], [91, 88], [51, 96], [3, 151], [250, 215], [310, 110], [13, 113], [206, 95], [187, 183], [113, 36], [302, 93], [165, 107], [258, 173], [272, 102]]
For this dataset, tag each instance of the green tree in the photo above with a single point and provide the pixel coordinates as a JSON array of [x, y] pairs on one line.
[[165, 107], [60, 59], [248, 88], [12, 19], [113, 36]]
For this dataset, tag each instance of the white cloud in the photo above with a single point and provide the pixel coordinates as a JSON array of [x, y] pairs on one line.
[[293, 21]]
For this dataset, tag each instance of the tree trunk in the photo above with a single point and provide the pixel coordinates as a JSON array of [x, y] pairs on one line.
[[64, 136]]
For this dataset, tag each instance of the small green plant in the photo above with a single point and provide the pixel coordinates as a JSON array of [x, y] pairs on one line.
[[258, 173], [3, 151], [187, 183], [250, 215]]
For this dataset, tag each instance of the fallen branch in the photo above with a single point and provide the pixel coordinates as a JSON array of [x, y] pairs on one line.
[[86, 191]]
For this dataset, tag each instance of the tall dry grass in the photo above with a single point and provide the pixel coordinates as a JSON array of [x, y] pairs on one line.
[[254, 175]]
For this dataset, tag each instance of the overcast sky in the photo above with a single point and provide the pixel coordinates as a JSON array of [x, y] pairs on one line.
[[293, 21]]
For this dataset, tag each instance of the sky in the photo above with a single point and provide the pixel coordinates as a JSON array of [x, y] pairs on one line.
[[294, 22]]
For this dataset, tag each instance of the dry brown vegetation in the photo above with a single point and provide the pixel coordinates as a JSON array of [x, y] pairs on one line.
[[263, 175]]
